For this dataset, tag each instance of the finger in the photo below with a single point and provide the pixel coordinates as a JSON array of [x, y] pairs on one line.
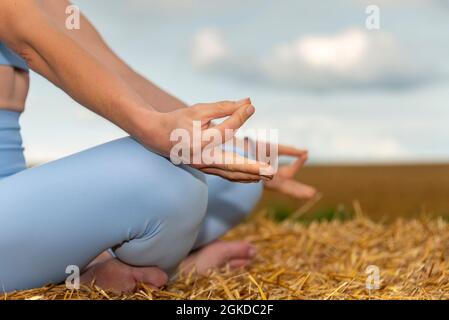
[[237, 163], [236, 120], [291, 151], [220, 109], [295, 166], [233, 162], [233, 176], [297, 190]]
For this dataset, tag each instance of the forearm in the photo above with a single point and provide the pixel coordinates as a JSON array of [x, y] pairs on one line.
[[161, 100], [50, 52], [90, 39]]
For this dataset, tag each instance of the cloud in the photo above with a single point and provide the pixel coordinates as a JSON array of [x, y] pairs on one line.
[[340, 139], [208, 48], [352, 59], [399, 3]]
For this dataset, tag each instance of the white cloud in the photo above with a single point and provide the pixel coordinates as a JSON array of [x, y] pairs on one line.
[[350, 146], [354, 58], [208, 47], [339, 138]]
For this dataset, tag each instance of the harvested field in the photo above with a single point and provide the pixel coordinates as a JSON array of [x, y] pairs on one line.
[[385, 192], [325, 260]]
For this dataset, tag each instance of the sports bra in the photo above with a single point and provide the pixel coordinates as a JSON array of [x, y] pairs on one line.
[[9, 58]]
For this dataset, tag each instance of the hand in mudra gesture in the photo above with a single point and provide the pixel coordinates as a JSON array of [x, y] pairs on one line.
[[237, 113]]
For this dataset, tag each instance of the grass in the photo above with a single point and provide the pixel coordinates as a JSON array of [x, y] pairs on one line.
[[280, 214]]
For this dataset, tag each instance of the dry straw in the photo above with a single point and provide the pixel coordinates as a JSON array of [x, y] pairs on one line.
[[325, 260]]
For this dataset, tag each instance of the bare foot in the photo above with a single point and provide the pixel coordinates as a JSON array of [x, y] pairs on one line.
[[119, 277], [217, 254]]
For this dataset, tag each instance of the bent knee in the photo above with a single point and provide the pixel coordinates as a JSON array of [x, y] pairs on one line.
[[172, 193], [238, 199], [172, 215], [156, 190], [185, 197]]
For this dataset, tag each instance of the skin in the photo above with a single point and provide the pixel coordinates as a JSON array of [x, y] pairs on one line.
[[35, 29]]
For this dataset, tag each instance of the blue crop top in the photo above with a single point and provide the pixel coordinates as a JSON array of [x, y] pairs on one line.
[[9, 58]]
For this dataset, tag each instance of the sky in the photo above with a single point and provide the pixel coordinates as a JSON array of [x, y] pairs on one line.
[[313, 69]]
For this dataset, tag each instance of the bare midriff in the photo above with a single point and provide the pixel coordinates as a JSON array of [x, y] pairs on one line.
[[14, 85]]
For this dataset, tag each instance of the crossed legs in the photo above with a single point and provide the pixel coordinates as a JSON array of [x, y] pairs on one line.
[[118, 195]]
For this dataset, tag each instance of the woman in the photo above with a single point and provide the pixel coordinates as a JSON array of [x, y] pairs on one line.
[[123, 197]]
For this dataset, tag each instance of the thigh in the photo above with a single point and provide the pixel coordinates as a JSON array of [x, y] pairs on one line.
[[68, 211]]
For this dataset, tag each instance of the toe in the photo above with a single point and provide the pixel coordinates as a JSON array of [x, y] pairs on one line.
[[152, 276], [239, 250], [239, 263]]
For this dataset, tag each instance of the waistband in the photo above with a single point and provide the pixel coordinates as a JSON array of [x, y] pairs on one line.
[[11, 151], [9, 119]]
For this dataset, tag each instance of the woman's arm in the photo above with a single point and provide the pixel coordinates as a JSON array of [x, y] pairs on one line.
[[28, 30], [90, 39]]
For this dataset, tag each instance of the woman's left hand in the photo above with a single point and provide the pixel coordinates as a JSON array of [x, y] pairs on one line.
[[284, 179]]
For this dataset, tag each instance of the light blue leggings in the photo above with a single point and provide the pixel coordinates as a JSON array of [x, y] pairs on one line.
[[118, 195]]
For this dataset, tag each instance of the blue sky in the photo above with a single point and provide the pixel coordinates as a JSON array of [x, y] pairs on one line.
[[312, 69]]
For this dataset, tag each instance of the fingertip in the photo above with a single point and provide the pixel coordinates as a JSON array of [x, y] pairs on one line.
[[250, 110], [312, 192], [243, 101]]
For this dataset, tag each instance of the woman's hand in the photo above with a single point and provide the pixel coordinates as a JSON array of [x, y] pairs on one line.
[[203, 138], [284, 180]]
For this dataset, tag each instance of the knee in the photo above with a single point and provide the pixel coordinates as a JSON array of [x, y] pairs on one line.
[[237, 199], [178, 200], [186, 200], [172, 221], [167, 205], [157, 190], [229, 204], [250, 195]]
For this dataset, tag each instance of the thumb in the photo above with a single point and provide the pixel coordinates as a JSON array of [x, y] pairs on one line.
[[220, 109]]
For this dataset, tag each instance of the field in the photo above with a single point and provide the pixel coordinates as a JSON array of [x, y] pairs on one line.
[[390, 220], [384, 192]]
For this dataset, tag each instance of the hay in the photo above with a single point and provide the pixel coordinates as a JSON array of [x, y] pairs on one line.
[[325, 260]]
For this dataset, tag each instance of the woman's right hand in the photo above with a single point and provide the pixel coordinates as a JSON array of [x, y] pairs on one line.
[[158, 139]]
